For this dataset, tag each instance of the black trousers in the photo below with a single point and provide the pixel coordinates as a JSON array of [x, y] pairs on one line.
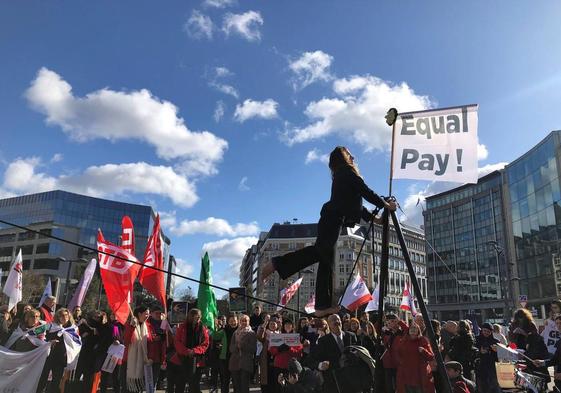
[[178, 378], [57, 370], [323, 251], [240, 379], [225, 376]]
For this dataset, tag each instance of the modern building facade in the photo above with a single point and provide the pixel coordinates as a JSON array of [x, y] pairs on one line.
[[498, 239], [284, 238], [69, 216]]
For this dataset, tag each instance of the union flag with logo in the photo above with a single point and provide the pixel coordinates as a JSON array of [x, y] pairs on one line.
[[119, 269], [152, 279]]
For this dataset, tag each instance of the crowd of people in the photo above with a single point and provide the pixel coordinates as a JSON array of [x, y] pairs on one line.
[[241, 352]]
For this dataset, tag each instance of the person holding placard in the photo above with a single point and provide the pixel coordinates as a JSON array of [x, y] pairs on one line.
[[343, 209], [283, 353]]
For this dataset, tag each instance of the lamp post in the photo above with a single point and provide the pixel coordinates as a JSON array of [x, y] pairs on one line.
[[298, 294], [510, 302], [68, 269]]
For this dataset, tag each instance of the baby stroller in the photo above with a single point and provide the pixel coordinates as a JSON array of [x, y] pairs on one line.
[[357, 371]]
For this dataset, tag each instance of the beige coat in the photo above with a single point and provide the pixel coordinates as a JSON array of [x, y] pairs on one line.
[[243, 353]]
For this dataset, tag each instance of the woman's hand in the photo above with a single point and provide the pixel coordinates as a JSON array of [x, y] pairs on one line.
[[390, 205]]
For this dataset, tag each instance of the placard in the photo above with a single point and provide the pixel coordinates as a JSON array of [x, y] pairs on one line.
[[290, 339]]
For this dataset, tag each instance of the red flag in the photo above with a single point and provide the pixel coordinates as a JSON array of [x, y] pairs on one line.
[[407, 303], [356, 295], [153, 280], [118, 276], [127, 235]]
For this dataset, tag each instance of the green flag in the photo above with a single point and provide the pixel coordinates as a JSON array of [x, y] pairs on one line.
[[206, 301]]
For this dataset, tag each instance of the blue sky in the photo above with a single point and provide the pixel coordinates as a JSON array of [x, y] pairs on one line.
[[219, 112]]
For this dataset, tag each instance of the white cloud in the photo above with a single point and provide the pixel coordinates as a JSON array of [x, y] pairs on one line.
[[482, 152], [243, 184], [224, 88], [113, 115], [183, 267], [21, 177], [209, 226], [199, 26], [57, 157], [413, 205], [357, 112], [222, 72], [245, 25], [219, 111], [264, 109], [316, 155], [219, 3], [311, 67], [229, 249]]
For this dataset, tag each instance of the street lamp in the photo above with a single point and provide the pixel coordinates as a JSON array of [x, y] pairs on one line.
[[509, 291], [68, 269], [306, 271]]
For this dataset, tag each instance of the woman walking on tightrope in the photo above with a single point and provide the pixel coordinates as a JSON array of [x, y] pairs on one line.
[[343, 209]]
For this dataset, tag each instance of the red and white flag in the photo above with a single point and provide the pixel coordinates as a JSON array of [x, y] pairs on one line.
[[118, 275], [310, 307], [373, 304], [151, 279], [127, 235], [13, 284], [356, 295], [288, 293], [407, 302]]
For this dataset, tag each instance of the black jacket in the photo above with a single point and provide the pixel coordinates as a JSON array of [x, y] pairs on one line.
[[347, 191]]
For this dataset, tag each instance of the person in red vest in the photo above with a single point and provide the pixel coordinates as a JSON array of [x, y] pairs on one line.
[[48, 309]]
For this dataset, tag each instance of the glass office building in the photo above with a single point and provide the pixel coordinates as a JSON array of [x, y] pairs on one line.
[[498, 239], [535, 216], [464, 228], [69, 216]]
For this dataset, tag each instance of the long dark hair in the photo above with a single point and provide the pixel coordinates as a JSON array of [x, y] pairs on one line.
[[339, 158]]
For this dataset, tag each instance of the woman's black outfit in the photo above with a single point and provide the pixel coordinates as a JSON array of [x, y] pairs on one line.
[[225, 374], [55, 363], [486, 372], [343, 209], [85, 369], [462, 350]]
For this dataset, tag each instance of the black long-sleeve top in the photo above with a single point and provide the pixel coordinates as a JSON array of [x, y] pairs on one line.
[[347, 191]]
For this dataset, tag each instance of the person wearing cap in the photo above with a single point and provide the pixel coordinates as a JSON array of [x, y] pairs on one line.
[[459, 383], [47, 309], [485, 372]]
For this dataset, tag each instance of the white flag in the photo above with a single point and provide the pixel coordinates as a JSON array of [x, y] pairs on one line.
[[46, 293], [83, 286], [310, 307], [287, 293], [13, 285], [373, 304], [356, 295], [439, 144]]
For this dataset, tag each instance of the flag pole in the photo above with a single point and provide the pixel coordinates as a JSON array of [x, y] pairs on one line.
[[391, 118]]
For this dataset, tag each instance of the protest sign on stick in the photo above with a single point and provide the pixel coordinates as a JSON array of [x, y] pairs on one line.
[[438, 144]]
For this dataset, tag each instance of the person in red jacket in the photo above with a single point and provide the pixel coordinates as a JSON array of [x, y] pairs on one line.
[[414, 353], [283, 353], [395, 328], [191, 343], [47, 309]]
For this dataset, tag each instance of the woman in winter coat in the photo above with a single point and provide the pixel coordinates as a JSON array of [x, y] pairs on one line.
[[242, 348], [414, 353], [222, 338], [462, 349], [368, 339], [486, 373], [266, 375]]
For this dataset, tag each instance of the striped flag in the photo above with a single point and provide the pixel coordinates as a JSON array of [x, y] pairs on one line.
[[310, 307], [407, 301], [288, 293], [356, 295]]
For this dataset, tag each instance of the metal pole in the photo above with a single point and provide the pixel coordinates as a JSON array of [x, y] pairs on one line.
[[68, 263], [422, 305]]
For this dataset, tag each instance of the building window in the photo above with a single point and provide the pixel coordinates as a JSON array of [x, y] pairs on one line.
[[341, 268], [46, 263], [6, 252], [42, 248], [9, 237]]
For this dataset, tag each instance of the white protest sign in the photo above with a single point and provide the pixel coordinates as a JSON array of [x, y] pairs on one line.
[[290, 339], [439, 144], [551, 335]]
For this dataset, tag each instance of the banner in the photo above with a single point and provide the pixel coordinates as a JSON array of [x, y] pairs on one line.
[[287, 294], [20, 371], [82, 289], [439, 144], [206, 301], [151, 279], [278, 339], [118, 276], [127, 235], [13, 284]]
